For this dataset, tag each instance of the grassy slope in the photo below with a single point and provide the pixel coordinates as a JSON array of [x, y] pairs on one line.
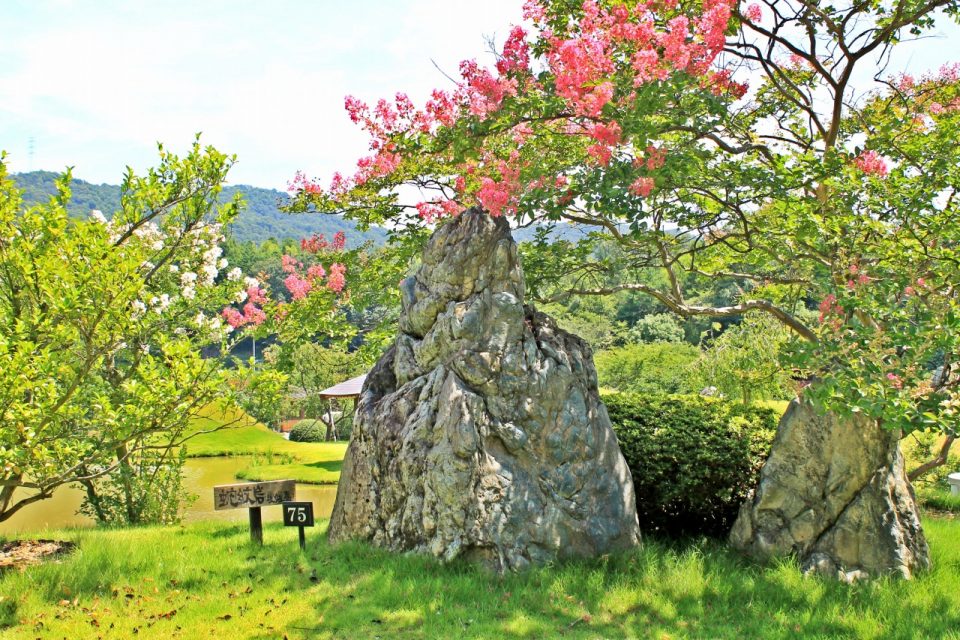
[[205, 580], [274, 457], [780, 406]]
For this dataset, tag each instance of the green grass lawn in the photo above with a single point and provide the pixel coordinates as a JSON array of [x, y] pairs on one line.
[[206, 581], [274, 457], [780, 406], [938, 499], [320, 464]]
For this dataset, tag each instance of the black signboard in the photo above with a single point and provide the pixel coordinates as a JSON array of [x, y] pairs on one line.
[[297, 514]]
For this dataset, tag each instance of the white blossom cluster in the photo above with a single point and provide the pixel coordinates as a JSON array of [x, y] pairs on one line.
[[199, 263], [214, 326]]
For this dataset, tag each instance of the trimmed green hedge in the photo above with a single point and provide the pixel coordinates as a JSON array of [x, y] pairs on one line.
[[309, 431], [694, 460]]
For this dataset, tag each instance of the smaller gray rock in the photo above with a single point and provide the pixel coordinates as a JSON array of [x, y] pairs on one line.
[[834, 493]]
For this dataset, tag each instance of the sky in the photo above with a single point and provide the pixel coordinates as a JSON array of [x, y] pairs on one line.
[[96, 84]]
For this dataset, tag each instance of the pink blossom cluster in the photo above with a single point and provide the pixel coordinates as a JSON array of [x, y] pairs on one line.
[[256, 295], [484, 91], [251, 314], [584, 59], [318, 243], [656, 157], [947, 73], [583, 62], [652, 159], [500, 197], [871, 163], [300, 283], [298, 286], [642, 186], [608, 136], [289, 264], [829, 307], [314, 243], [337, 280], [862, 279], [857, 277], [479, 93], [301, 183], [910, 290], [436, 209], [381, 122], [722, 82], [316, 272], [516, 53], [918, 90]]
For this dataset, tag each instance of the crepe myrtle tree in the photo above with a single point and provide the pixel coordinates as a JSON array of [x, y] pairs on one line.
[[331, 314], [101, 326], [636, 119], [311, 307]]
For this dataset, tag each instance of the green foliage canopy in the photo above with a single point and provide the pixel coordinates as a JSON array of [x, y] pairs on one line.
[[801, 191]]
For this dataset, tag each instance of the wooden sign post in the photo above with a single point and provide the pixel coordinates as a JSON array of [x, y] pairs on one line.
[[298, 514], [252, 496]]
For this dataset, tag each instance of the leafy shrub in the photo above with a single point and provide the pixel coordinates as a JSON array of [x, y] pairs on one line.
[[657, 327], [309, 431], [922, 446], [932, 488], [743, 362], [938, 500], [658, 367], [694, 460]]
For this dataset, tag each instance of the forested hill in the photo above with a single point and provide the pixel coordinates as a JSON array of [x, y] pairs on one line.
[[260, 219]]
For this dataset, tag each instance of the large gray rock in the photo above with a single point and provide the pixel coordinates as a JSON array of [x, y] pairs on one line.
[[480, 433], [834, 493]]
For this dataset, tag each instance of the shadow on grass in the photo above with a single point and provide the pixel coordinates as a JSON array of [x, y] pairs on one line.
[[333, 466], [694, 589]]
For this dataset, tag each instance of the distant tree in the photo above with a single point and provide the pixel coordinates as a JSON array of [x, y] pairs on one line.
[[593, 320], [744, 361], [262, 393], [313, 368], [654, 368], [657, 327]]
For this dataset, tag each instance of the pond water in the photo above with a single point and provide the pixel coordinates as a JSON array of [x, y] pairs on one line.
[[200, 475]]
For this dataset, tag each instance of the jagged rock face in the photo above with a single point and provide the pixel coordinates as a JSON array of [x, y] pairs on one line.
[[480, 433], [834, 493]]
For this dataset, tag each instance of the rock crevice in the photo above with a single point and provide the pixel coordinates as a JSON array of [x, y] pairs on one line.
[[480, 433]]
